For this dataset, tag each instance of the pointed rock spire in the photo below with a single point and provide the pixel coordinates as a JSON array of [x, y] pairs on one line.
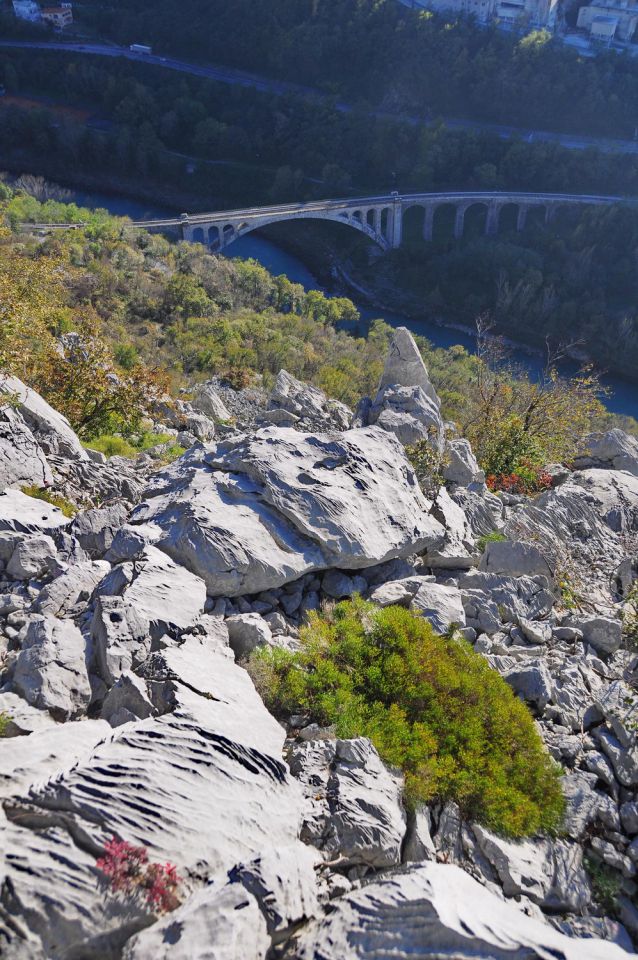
[[404, 365]]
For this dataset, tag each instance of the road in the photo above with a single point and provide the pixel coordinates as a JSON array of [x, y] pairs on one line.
[[240, 78]]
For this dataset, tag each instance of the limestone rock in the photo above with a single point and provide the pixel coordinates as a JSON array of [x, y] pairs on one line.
[[283, 882], [31, 557], [61, 597], [23, 514], [246, 631], [356, 813], [50, 672], [262, 511], [207, 401], [49, 751], [441, 605], [120, 637], [614, 450], [549, 872], [49, 426], [22, 460], [309, 404], [514, 559], [436, 910], [126, 701], [462, 467], [404, 365], [23, 719], [163, 594], [213, 924], [95, 529]]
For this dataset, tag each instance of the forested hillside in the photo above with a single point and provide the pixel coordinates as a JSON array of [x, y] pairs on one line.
[[380, 51]]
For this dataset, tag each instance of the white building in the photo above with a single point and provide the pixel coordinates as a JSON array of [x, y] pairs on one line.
[[27, 10]]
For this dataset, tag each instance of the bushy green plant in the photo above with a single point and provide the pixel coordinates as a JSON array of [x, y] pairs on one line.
[[112, 445], [494, 537], [5, 720], [630, 618], [55, 499], [431, 706], [605, 882]]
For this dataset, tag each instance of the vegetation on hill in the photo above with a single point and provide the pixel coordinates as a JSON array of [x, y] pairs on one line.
[[381, 52], [431, 706], [102, 320]]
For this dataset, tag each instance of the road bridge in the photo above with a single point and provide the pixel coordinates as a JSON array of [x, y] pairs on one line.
[[380, 218]]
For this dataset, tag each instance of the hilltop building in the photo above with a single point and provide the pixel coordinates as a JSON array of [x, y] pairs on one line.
[[27, 10], [609, 20], [532, 13], [59, 16]]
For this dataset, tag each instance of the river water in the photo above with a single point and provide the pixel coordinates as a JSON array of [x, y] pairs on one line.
[[623, 397]]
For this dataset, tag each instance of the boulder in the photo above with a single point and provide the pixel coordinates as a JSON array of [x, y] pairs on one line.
[[23, 719], [51, 429], [126, 701], [213, 924], [436, 910], [258, 512], [50, 671], [73, 588], [355, 810], [120, 637], [308, 404], [163, 594], [22, 460], [284, 884], [22, 514], [603, 633], [549, 872], [514, 559], [246, 631], [532, 682], [408, 413], [404, 366], [207, 401], [95, 529], [31, 557], [613, 450], [441, 605], [337, 584], [462, 467]]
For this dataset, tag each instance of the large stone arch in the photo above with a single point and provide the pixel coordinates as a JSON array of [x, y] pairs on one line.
[[232, 232]]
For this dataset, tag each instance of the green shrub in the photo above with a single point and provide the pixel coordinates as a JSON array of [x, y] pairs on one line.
[[494, 537], [430, 705], [112, 445], [606, 883], [55, 499], [5, 720]]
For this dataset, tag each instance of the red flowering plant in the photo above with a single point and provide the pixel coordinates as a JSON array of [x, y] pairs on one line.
[[526, 478], [127, 871]]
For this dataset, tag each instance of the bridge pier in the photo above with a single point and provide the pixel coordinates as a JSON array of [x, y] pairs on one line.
[[428, 223], [459, 222], [395, 225], [550, 212], [521, 218], [491, 221]]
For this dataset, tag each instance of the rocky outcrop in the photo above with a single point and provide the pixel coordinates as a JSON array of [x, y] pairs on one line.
[[297, 842], [406, 403], [309, 408], [260, 511], [436, 910]]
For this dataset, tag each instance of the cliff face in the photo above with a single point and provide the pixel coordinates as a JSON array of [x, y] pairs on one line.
[[127, 713]]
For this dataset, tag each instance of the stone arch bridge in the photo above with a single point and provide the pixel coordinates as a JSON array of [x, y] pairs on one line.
[[380, 218]]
